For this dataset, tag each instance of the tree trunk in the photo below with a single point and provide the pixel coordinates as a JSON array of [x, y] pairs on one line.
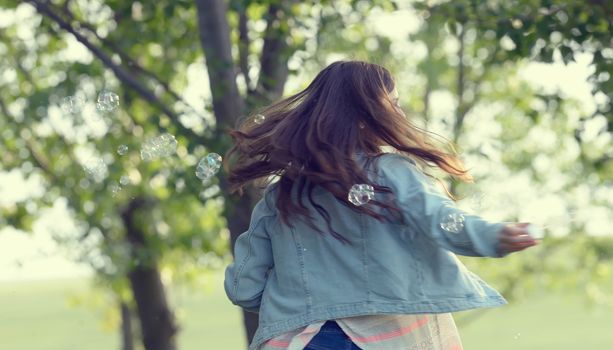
[[127, 336], [229, 105], [426, 99], [275, 53], [461, 84], [156, 319], [214, 35], [461, 108]]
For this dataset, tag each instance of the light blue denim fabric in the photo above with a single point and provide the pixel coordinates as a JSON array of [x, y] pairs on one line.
[[392, 268]]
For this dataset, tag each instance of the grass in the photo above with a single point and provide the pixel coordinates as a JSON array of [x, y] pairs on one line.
[[36, 315], [560, 322]]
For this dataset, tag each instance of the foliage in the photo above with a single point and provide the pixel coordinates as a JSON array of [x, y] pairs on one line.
[[147, 54], [537, 29], [509, 133], [150, 54]]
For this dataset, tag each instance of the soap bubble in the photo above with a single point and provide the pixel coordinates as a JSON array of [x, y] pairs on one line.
[[146, 155], [477, 201], [453, 223], [122, 150], [361, 194], [259, 119], [124, 180], [162, 146], [208, 166], [72, 104], [108, 101], [115, 189], [96, 168]]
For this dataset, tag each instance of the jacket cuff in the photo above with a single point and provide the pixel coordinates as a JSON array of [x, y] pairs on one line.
[[492, 240]]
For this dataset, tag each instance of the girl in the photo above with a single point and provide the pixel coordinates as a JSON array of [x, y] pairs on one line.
[[328, 267]]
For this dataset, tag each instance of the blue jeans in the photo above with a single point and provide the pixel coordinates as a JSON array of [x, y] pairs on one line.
[[331, 337]]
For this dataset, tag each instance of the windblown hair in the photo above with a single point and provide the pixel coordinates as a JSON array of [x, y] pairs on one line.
[[310, 138]]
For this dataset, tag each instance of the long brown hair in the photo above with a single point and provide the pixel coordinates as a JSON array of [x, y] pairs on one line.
[[310, 138]]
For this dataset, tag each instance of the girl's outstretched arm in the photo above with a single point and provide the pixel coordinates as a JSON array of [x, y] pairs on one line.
[[425, 207]]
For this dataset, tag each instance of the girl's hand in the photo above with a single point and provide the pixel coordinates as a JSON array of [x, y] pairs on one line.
[[515, 237]]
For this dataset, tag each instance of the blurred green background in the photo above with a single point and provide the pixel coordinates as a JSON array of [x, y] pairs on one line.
[[210, 321], [104, 257]]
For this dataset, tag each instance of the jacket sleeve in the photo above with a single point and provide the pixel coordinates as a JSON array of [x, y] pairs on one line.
[[425, 207], [246, 277]]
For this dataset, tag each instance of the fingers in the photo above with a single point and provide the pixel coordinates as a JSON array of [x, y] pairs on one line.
[[521, 242], [517, 247], [516, 229], [515, 237]]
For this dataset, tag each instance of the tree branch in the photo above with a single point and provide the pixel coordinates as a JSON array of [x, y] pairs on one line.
[[17, 62], [125, 57], [275, 53], [40, 160], [461, 109], [243, 44], [214, 30], [122, 74], [228, 106]]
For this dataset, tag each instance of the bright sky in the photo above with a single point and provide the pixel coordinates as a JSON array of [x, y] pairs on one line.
[[37, 256]]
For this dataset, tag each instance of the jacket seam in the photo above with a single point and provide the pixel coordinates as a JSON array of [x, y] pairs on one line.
[[298, 245], [246, 258], [410, 291], [363, 225], [456, 244], [411, 230]]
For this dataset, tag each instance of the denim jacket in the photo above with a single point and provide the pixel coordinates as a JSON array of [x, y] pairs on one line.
[[293, 277]]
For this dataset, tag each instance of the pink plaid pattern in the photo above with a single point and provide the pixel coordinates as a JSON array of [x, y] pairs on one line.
[[382, 332]]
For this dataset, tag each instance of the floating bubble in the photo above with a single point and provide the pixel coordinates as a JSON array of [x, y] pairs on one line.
[[361, 194], [96, 168], [259, 118], [477, 201], [453, 223], [535, 232], [108, 101], [146, 155], [84, 183], [124, 180], [168, 145], [167, 138], [115, 189], [72, 104], [208, 166], [122, 150], [162, 146]]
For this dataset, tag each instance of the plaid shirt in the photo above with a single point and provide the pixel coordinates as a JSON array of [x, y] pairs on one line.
[[382, 332]]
